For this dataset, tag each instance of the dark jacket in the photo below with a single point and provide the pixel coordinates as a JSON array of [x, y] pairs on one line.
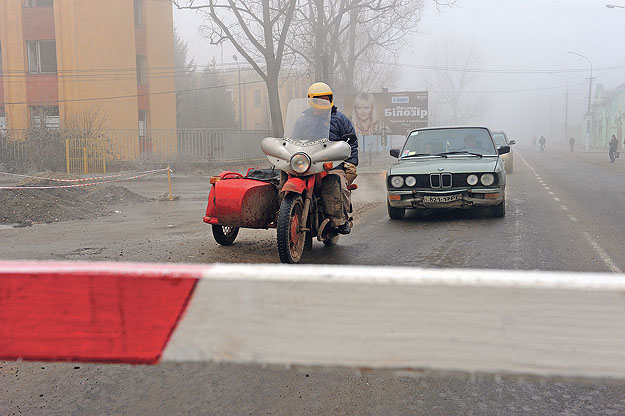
[[613, 145], [340, 125]]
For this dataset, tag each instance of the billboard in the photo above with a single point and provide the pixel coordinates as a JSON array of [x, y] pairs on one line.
[[387, 112]]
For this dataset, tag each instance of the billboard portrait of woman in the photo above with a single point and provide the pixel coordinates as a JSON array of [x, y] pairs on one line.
[[365, 115]]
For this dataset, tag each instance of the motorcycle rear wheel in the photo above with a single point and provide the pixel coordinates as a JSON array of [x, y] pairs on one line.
[[290, 238]]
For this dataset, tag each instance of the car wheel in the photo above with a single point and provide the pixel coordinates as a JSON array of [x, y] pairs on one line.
[[499, 210], [395, 213]]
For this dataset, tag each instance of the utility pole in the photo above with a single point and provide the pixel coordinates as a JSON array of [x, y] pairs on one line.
[[588, 115]]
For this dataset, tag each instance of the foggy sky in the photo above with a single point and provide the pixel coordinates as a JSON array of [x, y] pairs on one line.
[[513, 35]]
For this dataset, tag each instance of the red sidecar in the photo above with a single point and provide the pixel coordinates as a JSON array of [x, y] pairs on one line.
[[236, 201]]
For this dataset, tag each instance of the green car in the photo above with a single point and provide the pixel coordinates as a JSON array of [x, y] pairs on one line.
[[447, 167]]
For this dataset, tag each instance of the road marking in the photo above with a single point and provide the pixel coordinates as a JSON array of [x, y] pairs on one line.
[[600, 251], [556, 199], [547, 188], [604, 256], [551, 193]]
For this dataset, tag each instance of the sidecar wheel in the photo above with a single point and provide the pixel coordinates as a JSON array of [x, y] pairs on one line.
[[291, 240], [225, 235]]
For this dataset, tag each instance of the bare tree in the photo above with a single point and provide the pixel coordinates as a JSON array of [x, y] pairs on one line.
[[451, 101], [258, 30]]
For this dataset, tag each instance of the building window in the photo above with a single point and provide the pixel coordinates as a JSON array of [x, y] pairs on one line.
[[3, 119], [38, 3], [45, 117], [143, 123], [256, 98], [42, 57], [138, 13], [141, 73]]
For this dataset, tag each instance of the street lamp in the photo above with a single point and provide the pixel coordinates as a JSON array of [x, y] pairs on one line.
[[566, 108], [236, 59], [613, 6], [588, 121]]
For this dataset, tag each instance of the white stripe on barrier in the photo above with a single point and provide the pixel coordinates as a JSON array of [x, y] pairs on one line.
[[81, 179], [561, 324], [85, 184]]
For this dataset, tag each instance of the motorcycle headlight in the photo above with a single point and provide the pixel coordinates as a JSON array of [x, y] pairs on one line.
[[397, 181], [411, 181], [472, 180], [300, 162], [487, 179]]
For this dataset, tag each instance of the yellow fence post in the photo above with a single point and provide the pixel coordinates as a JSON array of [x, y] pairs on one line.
[[171, 196], [84, 156]]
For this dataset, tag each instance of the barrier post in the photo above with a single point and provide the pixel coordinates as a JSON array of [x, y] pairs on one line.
[[67, 154], [171, 196]]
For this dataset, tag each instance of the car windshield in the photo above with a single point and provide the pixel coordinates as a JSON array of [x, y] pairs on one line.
[[500, 139], [448, 141]]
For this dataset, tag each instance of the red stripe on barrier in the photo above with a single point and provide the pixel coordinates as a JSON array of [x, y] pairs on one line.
[[92, 316]]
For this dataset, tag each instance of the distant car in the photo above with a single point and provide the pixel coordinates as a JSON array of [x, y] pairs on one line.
[[447, 167], [502, 140]]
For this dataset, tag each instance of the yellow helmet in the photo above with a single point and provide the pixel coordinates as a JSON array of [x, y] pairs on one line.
[[321, 89]]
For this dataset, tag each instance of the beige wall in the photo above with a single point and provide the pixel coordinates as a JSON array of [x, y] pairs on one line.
[[14, 63], [160, 56], [96, 39]]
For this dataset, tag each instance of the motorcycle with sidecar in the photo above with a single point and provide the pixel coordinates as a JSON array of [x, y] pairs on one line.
[[297, 196]]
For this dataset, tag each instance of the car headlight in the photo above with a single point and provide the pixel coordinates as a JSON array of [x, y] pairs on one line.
[[300, 162], [487, 179], [411, 181], [472, 180], [397, 181]]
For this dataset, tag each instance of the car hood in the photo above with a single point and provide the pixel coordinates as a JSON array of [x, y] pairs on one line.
[[452, 164]]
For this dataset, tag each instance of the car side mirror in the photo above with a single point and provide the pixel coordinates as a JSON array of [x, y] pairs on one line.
[[350, 138], [395, 153], [502, 150], [511, 142]]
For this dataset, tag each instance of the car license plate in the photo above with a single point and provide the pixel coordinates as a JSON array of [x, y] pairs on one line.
[[439, 199]]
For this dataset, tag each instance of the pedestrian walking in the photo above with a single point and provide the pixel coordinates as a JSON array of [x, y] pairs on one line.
[[613, 149], [572, 144], [542, 141], [534, 141]]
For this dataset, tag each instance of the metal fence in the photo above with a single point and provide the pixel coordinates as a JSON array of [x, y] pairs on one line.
[[78, 151]]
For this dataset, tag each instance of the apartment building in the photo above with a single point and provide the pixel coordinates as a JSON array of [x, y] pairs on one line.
[[62, 59]]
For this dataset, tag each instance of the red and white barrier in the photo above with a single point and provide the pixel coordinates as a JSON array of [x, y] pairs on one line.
[[396, 318]]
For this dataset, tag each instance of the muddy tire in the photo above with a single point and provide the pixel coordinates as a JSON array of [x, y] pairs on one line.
[[225, 235], [291, 241], [395, 213]]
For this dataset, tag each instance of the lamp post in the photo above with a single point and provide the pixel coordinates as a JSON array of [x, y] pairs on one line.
[[589, 120], [566, 108], [236, 59]]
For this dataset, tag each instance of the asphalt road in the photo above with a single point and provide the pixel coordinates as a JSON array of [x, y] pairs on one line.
[[563, 213]]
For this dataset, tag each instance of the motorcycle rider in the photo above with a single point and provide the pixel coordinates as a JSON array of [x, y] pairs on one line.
[[340, 126]]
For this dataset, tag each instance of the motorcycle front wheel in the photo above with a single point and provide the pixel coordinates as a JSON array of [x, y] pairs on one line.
[[290, 238]]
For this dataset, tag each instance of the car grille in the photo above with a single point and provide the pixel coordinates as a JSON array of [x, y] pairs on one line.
[[444, 180]]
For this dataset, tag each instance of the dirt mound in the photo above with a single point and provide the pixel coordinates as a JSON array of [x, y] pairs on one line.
[[32, 206]]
